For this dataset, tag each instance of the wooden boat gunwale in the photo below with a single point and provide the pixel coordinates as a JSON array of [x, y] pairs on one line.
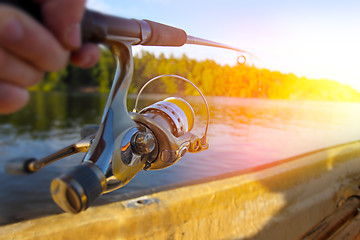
[[280, 200]]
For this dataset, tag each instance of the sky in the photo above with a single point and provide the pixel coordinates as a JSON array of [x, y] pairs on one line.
[[316, 39]]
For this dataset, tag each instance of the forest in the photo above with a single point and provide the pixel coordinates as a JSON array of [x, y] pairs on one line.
[[212, 78]]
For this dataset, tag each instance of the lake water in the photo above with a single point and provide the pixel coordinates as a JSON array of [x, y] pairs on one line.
[[243, 133]]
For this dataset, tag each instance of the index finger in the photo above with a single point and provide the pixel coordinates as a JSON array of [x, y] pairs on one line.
[[63, 18]]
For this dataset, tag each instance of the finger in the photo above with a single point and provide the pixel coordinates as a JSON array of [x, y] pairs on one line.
[[63, 19], [87, 56], [15, 71], [24, 37], [12, 98]]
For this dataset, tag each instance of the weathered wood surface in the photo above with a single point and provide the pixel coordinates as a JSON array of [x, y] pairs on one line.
[[279, 201]]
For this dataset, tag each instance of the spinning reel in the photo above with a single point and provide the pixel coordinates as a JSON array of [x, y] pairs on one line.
[[155, 137], [124, 143]]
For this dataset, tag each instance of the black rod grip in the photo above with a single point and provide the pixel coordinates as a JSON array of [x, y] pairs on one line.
[[93, 27], [27, 6], [112, 25]]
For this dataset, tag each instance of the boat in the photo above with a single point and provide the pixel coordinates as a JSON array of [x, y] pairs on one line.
[[287, 199]]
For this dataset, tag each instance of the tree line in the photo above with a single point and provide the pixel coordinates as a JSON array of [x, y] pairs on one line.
[[212, 78]]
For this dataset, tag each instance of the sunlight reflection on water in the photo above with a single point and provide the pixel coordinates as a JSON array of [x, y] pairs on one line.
[[243, 133]]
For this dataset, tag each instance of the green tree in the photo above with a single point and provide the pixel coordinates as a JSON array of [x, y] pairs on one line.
[[210, 77]]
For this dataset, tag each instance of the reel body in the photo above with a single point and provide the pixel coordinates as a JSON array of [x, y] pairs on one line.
[[160, 137]]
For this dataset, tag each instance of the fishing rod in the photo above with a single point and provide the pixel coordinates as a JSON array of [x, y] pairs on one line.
[[124, 143]]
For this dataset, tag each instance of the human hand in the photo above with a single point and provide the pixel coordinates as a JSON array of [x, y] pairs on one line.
[[28, 49]]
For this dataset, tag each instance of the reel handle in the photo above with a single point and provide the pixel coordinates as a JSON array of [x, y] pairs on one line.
[[25, 165], [20, 166]]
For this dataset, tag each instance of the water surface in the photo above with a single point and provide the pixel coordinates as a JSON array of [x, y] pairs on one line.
[[243, 133]]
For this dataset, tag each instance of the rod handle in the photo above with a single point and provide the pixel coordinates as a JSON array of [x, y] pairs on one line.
[[97, 26]]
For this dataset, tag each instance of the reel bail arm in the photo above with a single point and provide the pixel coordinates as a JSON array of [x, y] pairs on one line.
[[196, 144], [31, 165]]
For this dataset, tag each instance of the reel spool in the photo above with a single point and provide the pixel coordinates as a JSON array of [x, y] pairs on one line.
[[174, 113], [171, 122]]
